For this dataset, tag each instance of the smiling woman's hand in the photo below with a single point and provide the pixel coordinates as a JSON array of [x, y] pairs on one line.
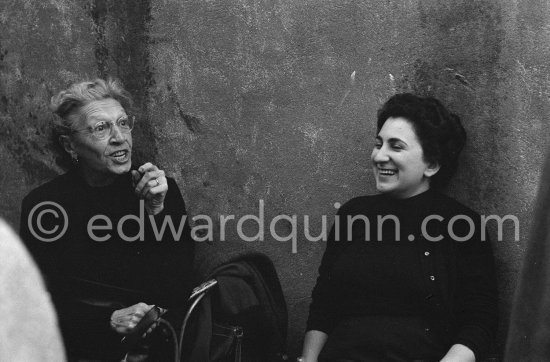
[[459, 353], [151, 185]]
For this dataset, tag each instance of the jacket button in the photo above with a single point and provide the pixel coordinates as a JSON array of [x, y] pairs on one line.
[[432, 277], [427, 253]]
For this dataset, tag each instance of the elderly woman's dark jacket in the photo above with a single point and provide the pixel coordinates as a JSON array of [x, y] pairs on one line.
[[454, 279], [111, 255]]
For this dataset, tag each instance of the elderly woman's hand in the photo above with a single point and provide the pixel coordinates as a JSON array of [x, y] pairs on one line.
[[150, 185], [124, 320]]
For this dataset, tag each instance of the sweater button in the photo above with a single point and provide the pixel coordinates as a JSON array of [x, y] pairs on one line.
[[432, 277], [427, 253]]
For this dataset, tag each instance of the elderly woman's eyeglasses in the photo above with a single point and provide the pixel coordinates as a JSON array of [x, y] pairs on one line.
[[103, 129]]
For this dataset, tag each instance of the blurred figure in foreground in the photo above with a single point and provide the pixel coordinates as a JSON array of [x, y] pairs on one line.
[[28, 332], [529, 332]]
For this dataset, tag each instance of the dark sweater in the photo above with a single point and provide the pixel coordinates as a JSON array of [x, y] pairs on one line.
[[451, 283], [90, 279]]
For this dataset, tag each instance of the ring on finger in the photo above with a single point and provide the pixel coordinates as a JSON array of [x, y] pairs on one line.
[[157, 180]]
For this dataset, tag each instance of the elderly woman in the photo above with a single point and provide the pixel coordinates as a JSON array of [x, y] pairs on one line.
[[111, 238], [401, 280]]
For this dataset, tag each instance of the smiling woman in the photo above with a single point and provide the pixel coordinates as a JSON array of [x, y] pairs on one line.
[[398, 162], [402, 297], [102, 284]]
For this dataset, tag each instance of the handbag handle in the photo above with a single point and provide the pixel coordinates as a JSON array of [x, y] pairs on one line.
[[197, 294]]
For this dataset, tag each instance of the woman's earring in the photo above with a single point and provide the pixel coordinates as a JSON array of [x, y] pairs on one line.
[[74, 158]]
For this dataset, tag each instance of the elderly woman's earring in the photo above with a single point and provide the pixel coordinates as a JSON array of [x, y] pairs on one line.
[[74, 158]]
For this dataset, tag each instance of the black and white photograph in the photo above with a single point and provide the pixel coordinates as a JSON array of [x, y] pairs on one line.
[[274, 180]]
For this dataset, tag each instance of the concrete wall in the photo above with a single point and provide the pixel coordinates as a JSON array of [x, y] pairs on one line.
[[242, 100]]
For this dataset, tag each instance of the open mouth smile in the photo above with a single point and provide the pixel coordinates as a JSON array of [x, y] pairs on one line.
[[386, 172]]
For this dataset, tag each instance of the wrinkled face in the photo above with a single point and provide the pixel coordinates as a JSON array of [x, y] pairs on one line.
[[398, 160], [100, 159]]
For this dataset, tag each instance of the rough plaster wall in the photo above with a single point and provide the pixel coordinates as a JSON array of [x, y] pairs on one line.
[[37, 56], [245, 100]]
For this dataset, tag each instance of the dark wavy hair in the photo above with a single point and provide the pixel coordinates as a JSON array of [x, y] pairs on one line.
[[439, 131]]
